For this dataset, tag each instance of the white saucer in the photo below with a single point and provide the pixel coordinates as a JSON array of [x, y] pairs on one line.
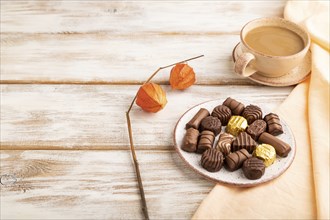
[[295, 76]]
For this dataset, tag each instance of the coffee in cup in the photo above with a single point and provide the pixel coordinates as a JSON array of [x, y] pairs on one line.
[[272, 47]]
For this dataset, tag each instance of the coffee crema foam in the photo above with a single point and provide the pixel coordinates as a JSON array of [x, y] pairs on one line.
[[274, 41]]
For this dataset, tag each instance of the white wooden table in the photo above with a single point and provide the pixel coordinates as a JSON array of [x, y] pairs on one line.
[[69, 70]]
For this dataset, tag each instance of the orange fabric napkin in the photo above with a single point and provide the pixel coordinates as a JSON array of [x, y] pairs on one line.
[[302, 192]]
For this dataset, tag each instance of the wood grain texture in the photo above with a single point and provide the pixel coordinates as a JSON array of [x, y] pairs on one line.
[[93, 117], [65, 147], [96, 185], [133, 17], [113, 42], [108, 59]]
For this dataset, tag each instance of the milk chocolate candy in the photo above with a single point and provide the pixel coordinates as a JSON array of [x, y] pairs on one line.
[[190, 140], [235, 160], [253, 168], [282, 148], [252, 113], [212, 160], [223, 113], [236, 125], [211, 123], [274, 126], [224, 143], [266, 153], [235, 106], [244, 141], [256, 128], [197, 119], [206, 140]]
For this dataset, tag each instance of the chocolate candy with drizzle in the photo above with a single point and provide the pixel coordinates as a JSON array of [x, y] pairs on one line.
[[206, 141], [244, 141], [223, 113], [252, 113], [224, 143], [212, 160], [274, 126]]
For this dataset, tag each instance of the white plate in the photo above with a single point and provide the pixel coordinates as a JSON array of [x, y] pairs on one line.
[[224, 176]]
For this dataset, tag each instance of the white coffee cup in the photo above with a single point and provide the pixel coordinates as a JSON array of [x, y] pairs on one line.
[[252, 60]]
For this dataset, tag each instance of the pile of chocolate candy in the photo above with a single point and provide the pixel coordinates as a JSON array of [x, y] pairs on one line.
[[249, 141]]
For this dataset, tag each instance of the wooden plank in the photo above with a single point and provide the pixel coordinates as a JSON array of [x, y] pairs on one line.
[[93, 117], [96, 185], [133, 17], [107, 59]]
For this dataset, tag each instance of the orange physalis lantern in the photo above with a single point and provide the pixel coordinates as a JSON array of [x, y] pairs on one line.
[[151, 97], [182, 76]]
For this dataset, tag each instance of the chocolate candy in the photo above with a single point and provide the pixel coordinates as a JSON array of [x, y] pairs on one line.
[[256, 128], [235, 106], [224, 143], [253, 168], [244, 141], [211, 123], [266, 153], [197, 119], [236, 125], [223, 113], [252, 113], [282, 148], [274, 126], [236, 159], [212, 160], [206, 141], [190, 140]]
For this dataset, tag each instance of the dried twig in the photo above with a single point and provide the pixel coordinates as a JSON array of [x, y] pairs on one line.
[[135, 161]]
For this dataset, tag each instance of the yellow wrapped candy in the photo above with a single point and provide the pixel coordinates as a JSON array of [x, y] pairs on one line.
[[266, 153], [236, 125]]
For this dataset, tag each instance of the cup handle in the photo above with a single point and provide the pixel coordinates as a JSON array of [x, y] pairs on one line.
[[241, 65]]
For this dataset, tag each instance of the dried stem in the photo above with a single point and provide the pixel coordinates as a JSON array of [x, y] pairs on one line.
[[135, 161]]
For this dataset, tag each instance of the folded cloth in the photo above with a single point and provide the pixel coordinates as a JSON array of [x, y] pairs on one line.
[[302, 192]]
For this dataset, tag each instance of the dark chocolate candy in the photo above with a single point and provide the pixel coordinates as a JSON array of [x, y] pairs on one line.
[[223, 113], [274, 126], [235, 106], [206, 140], [253, 168], [282, 149], [197, 119], [212, 160], [235, 160], [252, 113], [190, 140], [256, 128], [211, 123], [244, 141]]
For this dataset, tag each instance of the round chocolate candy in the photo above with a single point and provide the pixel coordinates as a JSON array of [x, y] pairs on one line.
[[211, 123], [236, 125], [266, 153], [253, 168], [223, 113], [252, 113], [212, 160]]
